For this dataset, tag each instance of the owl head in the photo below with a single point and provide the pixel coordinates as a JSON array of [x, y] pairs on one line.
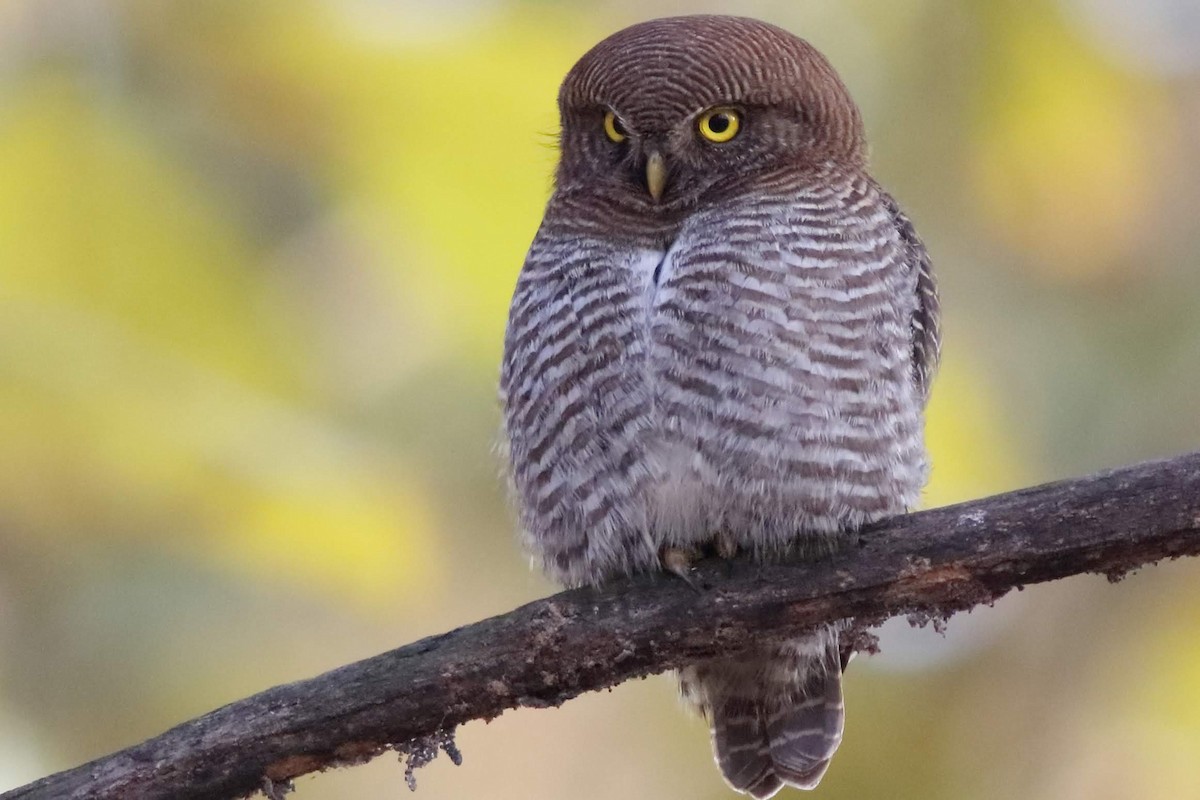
[[672, 113]]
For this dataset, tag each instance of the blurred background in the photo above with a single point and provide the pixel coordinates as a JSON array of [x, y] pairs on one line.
[[255, 262]]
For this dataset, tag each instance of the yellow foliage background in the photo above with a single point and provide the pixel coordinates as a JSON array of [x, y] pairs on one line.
[[255, 259]]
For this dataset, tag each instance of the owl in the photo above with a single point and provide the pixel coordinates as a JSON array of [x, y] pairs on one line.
[[721, 340]]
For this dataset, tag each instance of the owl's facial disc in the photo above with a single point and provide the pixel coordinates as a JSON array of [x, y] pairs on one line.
[[674, 113]]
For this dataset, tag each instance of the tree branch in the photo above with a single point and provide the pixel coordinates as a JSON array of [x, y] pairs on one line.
[[932, 564]]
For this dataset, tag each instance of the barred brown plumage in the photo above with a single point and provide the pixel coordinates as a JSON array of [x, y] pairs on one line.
[[734, 352]]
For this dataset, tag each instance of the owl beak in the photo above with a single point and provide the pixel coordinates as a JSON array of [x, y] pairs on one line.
[[656, 175]]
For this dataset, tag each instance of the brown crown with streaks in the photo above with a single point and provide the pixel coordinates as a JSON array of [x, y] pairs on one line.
[[659, 75]]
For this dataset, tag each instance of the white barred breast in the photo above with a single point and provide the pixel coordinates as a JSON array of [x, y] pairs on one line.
[[754, 376]]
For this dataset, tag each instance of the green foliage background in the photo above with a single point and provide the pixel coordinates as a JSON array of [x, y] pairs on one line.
[[255, 260]]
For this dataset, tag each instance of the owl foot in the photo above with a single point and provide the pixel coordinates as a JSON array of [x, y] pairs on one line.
[[726, 549], [727, 546], [678, 562]]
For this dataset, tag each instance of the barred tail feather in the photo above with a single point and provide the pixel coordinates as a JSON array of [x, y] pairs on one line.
[[805, 736], [743, 751], [770, 733]]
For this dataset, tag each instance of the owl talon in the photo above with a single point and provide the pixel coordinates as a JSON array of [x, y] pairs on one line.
[[678, 562], [727, 546]]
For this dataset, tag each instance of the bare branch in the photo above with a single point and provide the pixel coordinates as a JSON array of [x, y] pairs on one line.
[[544, 653]]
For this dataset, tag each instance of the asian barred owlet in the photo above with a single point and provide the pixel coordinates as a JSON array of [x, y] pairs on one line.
[[723, 335]]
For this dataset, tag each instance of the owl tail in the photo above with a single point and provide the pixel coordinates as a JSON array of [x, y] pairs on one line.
[[778, 738]]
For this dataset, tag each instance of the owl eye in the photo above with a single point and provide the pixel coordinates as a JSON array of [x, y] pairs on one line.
[[719, 125], [613, 128]]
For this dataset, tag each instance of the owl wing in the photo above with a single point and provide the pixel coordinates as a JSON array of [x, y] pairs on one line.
[[926, 318]]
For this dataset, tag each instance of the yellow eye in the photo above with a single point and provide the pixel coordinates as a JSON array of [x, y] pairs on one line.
[[613, 127], [719, 125]]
